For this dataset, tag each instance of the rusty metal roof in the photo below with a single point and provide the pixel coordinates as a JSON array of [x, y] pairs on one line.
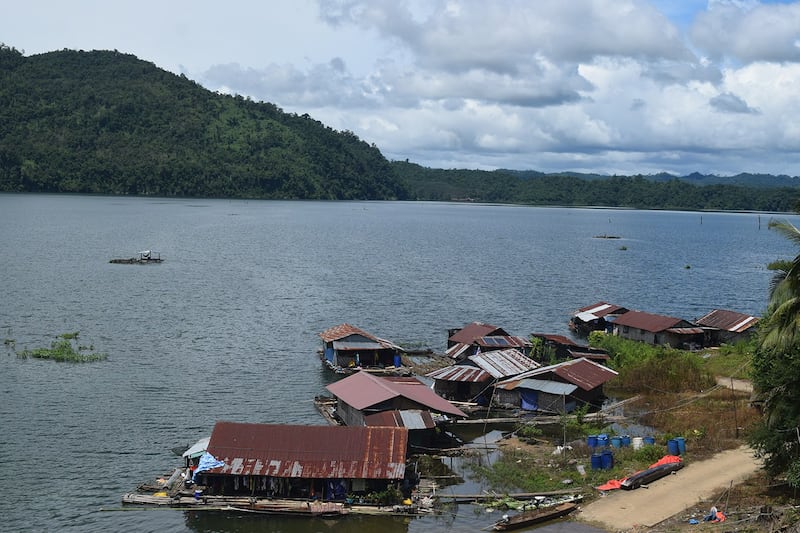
[[650, 322], [465, 373], [558, 339], [475, 330], [582, 372], [352, 335], [728, 320], [309, 451], [457, 349], [406, 418], [599, 310], [363, 390], [503, 363]]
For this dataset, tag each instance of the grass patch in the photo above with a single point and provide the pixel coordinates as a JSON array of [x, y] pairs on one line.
[[65, 349]]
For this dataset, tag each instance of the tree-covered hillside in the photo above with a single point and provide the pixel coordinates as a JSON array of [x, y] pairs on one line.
[[106, 122], [109, 123]]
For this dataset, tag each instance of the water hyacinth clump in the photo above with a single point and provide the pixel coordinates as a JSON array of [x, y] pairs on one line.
[[65, 349]]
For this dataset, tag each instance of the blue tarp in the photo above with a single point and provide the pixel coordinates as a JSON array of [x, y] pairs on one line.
[[530, 399], [207, 462]]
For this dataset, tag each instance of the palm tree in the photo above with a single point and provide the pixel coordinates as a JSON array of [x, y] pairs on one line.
[[781, 329]]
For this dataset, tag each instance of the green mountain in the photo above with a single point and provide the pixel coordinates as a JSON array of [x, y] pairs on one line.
[[109, 123]]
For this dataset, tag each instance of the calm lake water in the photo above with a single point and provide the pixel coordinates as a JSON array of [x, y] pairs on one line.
[[226, 328]]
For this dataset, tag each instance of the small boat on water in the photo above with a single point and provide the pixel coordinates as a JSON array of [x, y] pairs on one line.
[[142, 258], [534, 516]]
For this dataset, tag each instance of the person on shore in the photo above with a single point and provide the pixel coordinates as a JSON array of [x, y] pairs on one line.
[[712, 514]]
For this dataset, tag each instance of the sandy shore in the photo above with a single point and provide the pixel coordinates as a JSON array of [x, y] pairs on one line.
[[622, 510]]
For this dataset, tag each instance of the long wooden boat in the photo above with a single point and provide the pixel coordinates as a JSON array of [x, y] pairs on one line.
[[649, 475], [534, 516], [320, 509]]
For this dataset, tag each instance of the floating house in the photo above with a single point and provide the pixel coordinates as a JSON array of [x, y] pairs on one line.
[[471, 379], [728, 327], [346, 349], [550, 347], [479, 337], [595, 317], [310, 462], [658, 330], [559, 388], [362, 394]]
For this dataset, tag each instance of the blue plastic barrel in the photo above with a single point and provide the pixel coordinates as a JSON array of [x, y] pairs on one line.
[[649, 440], [626, 441], [681, 445], [398, 362], [672, 447], [591, 441], [608, 459], [602, 440], [616, 442], [597, 461]]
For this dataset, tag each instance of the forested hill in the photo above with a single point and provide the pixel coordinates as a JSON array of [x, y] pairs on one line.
[[107, 122]]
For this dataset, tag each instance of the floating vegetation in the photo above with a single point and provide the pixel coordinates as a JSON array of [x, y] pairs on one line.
[[63, 350]]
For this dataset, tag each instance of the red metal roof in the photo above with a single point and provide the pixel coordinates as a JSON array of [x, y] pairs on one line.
[[342, 331], [362, 390], [309, 451], [650, 322], [581, 372], [475, 330], [728, 320], [409, 419]]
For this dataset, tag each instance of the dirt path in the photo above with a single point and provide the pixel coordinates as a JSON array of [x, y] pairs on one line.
[[623, 510]]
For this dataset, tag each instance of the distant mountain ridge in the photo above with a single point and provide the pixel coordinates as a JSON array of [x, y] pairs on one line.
[[742, 179]]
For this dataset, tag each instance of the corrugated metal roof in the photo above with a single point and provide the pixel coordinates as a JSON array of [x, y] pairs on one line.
[[542, 385], [475, 330], [409, 419], [582, 372], [363, 390], [499, 342], [578, 353], [309, 451], [465, 373], [686, 331], [342, 331], [650, 322], [728, 320], [598, 310], [355, 345], [457, 349], [558, 339], [503, 363]]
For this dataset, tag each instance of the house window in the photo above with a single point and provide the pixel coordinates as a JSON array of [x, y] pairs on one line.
[[625, 329]]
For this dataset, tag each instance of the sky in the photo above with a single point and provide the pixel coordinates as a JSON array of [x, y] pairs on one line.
[[602, 86]]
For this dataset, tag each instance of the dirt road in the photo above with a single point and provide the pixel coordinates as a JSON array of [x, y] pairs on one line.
[[622, 510]]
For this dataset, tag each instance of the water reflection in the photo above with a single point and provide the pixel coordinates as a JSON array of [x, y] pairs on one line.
[[212, 522]]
